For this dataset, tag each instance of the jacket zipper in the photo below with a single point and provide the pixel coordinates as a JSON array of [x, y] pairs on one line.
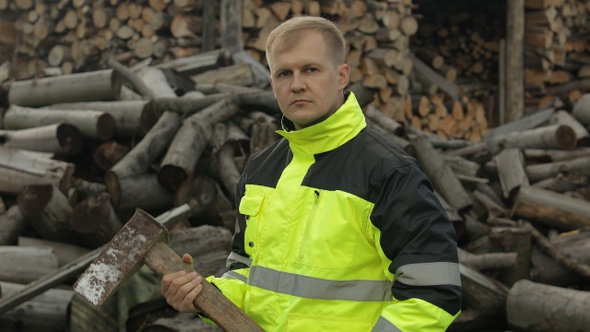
[[308, 224]]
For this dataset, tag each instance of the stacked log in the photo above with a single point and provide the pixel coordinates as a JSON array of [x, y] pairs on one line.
[[464, 43], [71, 36], [556, 44], [456, 54], [556, 51]]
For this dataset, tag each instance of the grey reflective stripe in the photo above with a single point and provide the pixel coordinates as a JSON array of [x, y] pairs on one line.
[[234, 275], [235, 258], [383, 325], [429, 274], [315, 288]]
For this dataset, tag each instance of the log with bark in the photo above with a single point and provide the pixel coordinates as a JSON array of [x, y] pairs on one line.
[[12, 225], [89, 86], [486, 295], [59, 138], [129, 115], [547, 170], [92, 124], [61, 275], [190, 141], [511, 171], [552, 209], [228, 142], [537, 307], [46, 312], [581, 110], [47, 210], [39, 261], [546, 269], [441, 175], [21, 168], [556, 136], [95, 220], [64, 252]]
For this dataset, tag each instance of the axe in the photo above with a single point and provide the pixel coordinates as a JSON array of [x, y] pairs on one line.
[[144, 240]]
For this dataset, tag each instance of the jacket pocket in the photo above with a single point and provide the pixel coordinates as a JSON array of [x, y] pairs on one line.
[[329, 231], [251, 208], [250, 205]]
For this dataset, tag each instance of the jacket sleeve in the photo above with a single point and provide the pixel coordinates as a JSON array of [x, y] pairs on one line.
[[418, 246]]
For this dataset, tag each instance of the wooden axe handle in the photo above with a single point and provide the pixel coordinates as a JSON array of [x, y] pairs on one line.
[[163, 260]]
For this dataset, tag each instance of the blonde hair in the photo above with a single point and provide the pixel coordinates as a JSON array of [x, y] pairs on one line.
[[290, 31]]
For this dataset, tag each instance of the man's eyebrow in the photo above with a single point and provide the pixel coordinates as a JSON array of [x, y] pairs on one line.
[[305, 65]]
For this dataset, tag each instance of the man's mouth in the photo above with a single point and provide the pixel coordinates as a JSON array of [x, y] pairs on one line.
[[299, 101]]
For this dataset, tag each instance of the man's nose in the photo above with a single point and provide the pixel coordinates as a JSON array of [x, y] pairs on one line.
[[298, 83]]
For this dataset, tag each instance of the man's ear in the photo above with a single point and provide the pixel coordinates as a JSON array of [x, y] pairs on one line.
[[343, 76]]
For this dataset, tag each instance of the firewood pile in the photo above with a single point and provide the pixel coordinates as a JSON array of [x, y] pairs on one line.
[[89, 133]]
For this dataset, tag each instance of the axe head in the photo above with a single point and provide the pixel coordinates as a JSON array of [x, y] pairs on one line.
[[121, 258]]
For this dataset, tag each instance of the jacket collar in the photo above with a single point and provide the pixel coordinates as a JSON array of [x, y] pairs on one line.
[[329, 134]]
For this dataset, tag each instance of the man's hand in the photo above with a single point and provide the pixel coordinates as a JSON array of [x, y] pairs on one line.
[[181, 288]]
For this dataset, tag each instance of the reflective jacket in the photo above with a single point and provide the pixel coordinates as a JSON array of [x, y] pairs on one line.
[[339, 230]]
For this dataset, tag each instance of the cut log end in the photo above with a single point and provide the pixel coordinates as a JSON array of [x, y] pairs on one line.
[[116, 85], [113, 187], [108, 154], [69, 138], [33, 199], [84, 222], [149, 116], [566, 137], [171, 177], [199, 193], [105, 127]]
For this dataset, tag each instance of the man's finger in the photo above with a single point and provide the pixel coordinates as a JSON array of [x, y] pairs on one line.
[[188, 259], [169, 278]]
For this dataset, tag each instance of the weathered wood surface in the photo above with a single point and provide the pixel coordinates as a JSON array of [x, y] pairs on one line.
[[65, 253], [128, 114], [190, 142], [21, 168], [12, 225], [552, 209], [90, 86], [95, 220], [511, 171], [40, 261], [547, 270], [92, 124], [46, 312], [58, 276], [59, 138], [527, 307], [581, 110], [441, 174], [47, 210]]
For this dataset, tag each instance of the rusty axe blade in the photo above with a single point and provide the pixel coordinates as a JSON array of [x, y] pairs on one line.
[[142, 240], [122, 257]]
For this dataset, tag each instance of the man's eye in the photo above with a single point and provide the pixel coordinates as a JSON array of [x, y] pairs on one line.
[[312, 70], [283, 74]]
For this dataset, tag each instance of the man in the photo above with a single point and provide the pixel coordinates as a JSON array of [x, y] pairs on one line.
[[338, 229]]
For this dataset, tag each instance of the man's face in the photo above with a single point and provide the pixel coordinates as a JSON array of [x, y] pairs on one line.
[[305, 81]]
